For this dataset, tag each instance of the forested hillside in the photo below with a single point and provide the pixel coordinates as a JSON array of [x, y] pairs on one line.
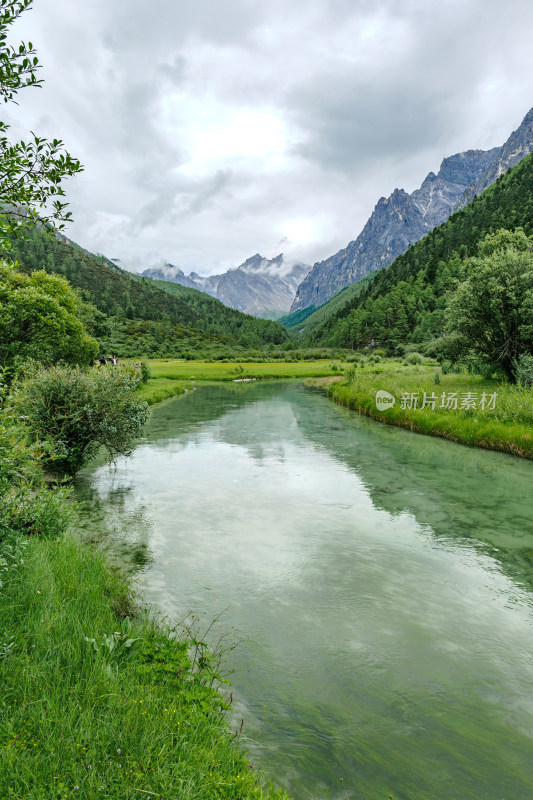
[[136, 316], [218, 318], [307, 319], [405, 303]]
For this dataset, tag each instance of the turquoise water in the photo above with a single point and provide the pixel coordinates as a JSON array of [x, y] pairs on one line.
[[379, 584]]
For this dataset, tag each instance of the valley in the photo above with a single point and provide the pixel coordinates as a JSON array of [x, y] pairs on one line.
[[266, 521]]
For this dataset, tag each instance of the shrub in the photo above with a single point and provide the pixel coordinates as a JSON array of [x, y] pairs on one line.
[[27, 506], [524, 369], [78, 412], [146, 372], [415, 358]]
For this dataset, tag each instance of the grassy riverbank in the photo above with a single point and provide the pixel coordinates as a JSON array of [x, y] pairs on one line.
[[97, 702], [488, 414], [175, 377], [155, 390]]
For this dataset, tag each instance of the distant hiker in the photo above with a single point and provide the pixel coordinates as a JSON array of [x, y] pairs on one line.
[[114, 361], [102, 361]]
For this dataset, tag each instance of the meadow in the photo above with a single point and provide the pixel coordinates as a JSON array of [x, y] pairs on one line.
[[228, 371], [462, 407]]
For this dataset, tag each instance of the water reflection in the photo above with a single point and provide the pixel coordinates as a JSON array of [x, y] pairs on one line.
[[379, 581], [111, 518]]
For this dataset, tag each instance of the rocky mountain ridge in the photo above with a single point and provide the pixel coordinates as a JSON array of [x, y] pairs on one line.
[[402, 219], [259, 286]]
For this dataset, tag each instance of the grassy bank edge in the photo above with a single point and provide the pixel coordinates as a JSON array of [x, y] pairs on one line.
[[155, 390], [100, 700], [515, 439]]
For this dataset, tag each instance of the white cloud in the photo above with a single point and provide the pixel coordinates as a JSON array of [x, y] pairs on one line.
[[210, 131]]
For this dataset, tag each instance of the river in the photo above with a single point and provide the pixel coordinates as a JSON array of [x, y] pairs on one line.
[[379, 584]]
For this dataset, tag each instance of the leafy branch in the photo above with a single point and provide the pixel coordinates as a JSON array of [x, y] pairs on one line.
[[31, 172]]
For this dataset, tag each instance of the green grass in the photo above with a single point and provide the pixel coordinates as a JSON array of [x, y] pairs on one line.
[[219, 371], [509, 427], [157, 389], [93, 705]]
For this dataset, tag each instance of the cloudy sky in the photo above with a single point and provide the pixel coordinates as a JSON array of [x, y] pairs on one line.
[[214, 129]]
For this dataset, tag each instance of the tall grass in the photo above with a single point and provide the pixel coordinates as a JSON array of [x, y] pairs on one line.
[[98, 704], [507, 427]]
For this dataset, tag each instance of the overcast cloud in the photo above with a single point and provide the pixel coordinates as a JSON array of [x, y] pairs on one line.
[[210, 131]]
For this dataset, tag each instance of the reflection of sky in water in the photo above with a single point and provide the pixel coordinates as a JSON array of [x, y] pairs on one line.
[[376, 578]]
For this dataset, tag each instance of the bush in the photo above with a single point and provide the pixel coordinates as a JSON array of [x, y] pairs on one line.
[[415, 358], [27, 506], [78, 412], [146, 372], [524, 369]]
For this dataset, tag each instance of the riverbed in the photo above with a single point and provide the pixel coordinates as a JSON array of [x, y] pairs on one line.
[[378, 583]]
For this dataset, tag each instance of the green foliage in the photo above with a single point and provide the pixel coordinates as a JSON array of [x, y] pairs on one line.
[[17, 64], [414, 358], [95, 705], [146, 372], [405, 303], [110, 290], [135, 316], [27, 506], [523, 370], [296, 318], [39, 320], [220, 319], [78, 412], [302, 323], [490, 312], [30, 172]]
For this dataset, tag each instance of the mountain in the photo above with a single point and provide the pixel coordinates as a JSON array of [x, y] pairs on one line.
[[405, 303], [168, 272], [403, 219], [259, 286], [132, 315]]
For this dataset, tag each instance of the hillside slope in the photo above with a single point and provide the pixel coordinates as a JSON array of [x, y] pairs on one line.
[[135, 311], [403, 219], [304, 321], [405, 302]]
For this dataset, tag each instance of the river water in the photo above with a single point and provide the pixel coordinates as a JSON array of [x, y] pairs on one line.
[[379, 584]]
